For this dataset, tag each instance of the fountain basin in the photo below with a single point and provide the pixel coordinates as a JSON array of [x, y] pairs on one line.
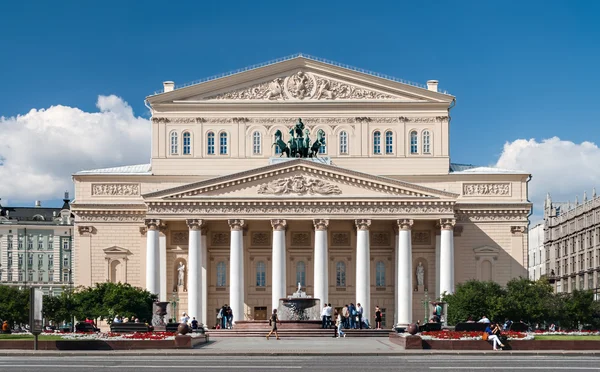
[[299, 309]]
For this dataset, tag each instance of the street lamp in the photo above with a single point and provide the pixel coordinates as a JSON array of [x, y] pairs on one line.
[[426, 305], [174, 300]]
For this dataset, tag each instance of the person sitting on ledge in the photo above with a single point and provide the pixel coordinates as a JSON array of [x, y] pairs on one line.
[[5, 327], [493, 332]]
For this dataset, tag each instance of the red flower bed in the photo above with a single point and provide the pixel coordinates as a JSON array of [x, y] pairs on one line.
[[142, 335], [454, 335]]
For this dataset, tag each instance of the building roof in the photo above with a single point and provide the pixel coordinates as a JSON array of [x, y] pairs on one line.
[[33, 215], [138, 169], [471, 169]]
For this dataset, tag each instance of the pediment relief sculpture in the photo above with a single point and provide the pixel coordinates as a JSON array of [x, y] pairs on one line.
[[299, 185], [302, 86]]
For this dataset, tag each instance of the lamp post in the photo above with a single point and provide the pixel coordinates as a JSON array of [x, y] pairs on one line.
[[426, 306], [174, 300]]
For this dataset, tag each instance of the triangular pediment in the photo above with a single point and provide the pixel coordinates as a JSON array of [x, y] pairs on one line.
[[116, 250], [301, 79], [301, 179]]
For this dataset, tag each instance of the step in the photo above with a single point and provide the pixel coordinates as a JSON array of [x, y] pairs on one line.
[[297, 333]]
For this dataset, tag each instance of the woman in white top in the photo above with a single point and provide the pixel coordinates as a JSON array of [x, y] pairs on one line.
[[338, 324]]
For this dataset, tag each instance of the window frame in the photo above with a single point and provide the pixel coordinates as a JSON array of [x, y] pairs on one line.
[[389, 142], [210, 147], [257, 143], [221, 271], [301, 273], [261, 274], [173, 143], [376, 142], [186, 149], [340, 274], [343, 143], [223, 144], [380, 275], [426, 141], [414, 145]]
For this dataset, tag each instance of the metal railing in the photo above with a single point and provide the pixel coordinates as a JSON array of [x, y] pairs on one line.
[[297, 55]]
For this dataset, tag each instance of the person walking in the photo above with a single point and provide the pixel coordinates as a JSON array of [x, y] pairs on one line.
[[273, 323], [377, 317], [339, 322]]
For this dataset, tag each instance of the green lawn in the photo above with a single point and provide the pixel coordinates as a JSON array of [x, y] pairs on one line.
[[29, 337], [568, 338]]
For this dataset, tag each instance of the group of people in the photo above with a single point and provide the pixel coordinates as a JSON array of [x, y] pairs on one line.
[[119, 319], [224, 318], [193, 323], [350, 317]]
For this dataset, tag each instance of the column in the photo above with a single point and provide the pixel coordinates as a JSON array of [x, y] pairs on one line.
[[278, 282], [396, 245], [404, 301], [162, 249], [194, 284], [203, 275], [321, 272], [363, 266], [236, 265], [437, 262], [152, 257], [447, 256]]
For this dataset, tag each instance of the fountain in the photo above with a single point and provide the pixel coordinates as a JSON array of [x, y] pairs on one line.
[[299, 307], [158, 315]]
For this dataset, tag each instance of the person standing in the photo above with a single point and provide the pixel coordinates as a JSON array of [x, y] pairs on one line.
[[377, 317], [273, 323], [359, 314], [229, 317], [352, 311], [338, 324], [324, 317], [345, 317], [328, 315]]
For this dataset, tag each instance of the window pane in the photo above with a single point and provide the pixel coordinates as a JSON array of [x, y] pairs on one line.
[[256, 143], [323, 148], [187, 143], [377, 143], [426, 146], [261, 280], [221, 274], [174, 144], [343, 143], [223, 144], [210, 143], [340, 274], [380, 274], [413, 142], [389, 145], [301, 273]]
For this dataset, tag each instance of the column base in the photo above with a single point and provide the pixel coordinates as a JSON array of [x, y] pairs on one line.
[[406, 328]]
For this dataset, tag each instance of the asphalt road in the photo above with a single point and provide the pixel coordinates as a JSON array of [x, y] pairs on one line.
[[309, 363]]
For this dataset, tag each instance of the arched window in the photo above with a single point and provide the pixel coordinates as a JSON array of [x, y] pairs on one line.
[[343, 142], [380, 274], [377, 142], [210, 143], [301, 273], [223, 143], [174, 143], [389, 142], [187, 143], [340, 274], [426, 145], [221, 274], [256, 143], [413, 142], [323, 148], [261, 274]]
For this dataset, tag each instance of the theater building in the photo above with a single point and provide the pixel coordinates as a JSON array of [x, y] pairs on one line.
[[378, 215]]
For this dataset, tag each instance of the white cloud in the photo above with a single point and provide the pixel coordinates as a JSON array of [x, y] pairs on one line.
[[562, 168], [39, 151]]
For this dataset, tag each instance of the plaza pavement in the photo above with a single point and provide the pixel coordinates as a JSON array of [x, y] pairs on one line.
[[294, 346]]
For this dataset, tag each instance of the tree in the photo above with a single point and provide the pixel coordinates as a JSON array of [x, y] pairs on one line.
[[14, 305], [60, 308], [578, 308], [528, 300], [475, 299], [106, 300]]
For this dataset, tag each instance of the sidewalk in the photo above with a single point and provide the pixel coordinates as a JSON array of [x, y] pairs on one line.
[[292, 346]]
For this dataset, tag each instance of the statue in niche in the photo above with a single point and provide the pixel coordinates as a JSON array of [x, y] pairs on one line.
[[180, 274], [420, 274]]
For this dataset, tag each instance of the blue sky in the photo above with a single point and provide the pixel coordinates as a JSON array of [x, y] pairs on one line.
[[519, 69]]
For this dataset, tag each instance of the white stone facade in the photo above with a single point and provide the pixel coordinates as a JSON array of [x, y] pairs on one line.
[[537, 253], [351, 228]]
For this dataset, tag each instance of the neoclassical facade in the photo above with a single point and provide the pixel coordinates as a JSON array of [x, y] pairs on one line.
[[378, 215]]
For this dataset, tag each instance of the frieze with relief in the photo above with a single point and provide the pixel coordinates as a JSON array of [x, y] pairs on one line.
[[260, 239], [219, 239], [301, 239], [299, 185], [302, 86], [115, 189], [340, 239], [486, 189], [180, 237], [380, 239], [421, 237]]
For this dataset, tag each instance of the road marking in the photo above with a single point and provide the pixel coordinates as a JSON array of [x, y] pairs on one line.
[[519, 368], [195, 366]]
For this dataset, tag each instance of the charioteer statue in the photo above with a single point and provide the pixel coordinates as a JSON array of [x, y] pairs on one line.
[[298, 145]]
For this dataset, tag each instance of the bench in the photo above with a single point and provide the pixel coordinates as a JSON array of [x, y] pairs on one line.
[[85, 327], [518, 327], [470, 327], [129, 327], [428, 327], [171, 327]]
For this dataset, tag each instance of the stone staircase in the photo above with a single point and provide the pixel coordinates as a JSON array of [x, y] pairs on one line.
[[286, 333]]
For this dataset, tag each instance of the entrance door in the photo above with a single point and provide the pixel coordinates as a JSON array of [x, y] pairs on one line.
[[260, 313]]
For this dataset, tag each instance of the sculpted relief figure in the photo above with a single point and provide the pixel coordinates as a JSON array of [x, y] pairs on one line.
[[180, 274], [275, 90], [299, 185], [420, 274]]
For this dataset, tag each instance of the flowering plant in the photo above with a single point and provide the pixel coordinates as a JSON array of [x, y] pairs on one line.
[[112, 336], [469, 335]]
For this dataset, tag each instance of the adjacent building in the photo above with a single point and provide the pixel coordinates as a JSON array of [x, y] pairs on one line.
[[572, 243], [367, 208], [537, 253], [35, 247]]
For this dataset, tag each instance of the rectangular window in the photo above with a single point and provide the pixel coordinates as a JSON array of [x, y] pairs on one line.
[[20, 276], [377, 143], [383, 318], [65, 244], [9, 276], [174, 145], [9, 245], [323, 148], [20, 244], [40, 260], [389, 139], [66, 277], [343, 143], [50, 276], [30, 276], [20, 260], [50, 261], [9, 263], [590, 281], [30, 260], [187, 144], [40, 276], [50, 243], [40, 244], [223, 143], [210, 148], [30, 244], [256, 150], [65, 262]]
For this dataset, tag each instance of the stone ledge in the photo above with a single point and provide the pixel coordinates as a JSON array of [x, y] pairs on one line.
[[104, 344]]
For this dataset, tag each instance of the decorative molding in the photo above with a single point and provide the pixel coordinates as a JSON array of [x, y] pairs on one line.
[[152, 224], [421, 237], [380, 239], [236, 225], [486, 189], [279, 225], [300, 185], [260, 238], [493, 216], [219, 239], [194, 224], [405, 224], [420, 119], [115, 189], [458, 229], [180, 237], [321, 224], [301, 239], [143, 230], [301, 85], [362, 225], [447, 223], [518, 230], [110, 216], [86, 230], [340, 239]]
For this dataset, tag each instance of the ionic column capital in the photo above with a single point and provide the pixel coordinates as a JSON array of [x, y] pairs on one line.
[[279, 225], [236, 225], [447, 223], [152, 224], [195, 225], [405, 224], [362, 225], [85, 230], [321, 225], [518, 230]]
